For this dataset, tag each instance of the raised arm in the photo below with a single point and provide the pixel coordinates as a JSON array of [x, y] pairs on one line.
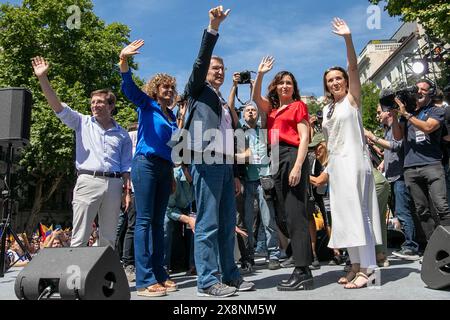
[[265, 66], [398, 128], [427, 126], [41, 67], [201, 65], [231, 99], [340, 28], [129, 88], [128, 51]]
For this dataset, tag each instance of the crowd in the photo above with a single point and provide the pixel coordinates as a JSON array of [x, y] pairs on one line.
[[18, 253], [292, 180]]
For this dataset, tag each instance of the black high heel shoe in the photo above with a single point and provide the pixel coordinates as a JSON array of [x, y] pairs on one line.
[[300, 279]]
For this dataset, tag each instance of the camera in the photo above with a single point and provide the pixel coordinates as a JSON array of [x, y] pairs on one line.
[[245, 77], [318, 122], [319, 114], [407, 95]]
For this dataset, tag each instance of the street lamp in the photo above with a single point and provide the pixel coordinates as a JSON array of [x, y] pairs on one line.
[[419, 67]]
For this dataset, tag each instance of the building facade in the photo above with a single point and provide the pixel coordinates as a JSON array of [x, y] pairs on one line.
[[389, 63]]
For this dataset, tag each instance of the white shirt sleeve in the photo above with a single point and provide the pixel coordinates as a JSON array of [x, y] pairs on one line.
[[69, 117]]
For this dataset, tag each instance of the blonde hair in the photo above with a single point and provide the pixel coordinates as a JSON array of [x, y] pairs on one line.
[[151, 87], [324, 158]]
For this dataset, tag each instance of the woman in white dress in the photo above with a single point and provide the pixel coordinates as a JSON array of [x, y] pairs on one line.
[[354, 206]]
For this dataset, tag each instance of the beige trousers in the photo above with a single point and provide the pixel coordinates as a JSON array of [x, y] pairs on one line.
[[92, 196]]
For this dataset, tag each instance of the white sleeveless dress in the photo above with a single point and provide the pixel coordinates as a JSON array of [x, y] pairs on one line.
[[353, 199]]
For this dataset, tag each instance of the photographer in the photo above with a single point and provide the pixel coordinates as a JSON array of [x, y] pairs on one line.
[[257, 171], [420, 127], [392, 166]]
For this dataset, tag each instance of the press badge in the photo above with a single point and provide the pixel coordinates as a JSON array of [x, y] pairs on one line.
[[420, 136]]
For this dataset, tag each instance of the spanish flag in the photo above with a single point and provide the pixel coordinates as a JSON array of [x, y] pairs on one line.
[[45, 231]]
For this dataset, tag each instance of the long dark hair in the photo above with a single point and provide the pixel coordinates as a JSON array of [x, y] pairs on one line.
[[327, 93], [272, 89]]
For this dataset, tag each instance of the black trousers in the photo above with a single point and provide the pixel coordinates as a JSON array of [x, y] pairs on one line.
[[428, 183], [292, 203], [125, 235]]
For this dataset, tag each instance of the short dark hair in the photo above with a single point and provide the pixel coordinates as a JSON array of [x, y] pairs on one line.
[[110, 97], [430, 83]]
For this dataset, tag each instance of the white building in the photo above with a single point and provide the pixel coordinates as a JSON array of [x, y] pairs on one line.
[[373, 56], [388, 63]]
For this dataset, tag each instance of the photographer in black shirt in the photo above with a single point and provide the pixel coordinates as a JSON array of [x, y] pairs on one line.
[[421, 130]]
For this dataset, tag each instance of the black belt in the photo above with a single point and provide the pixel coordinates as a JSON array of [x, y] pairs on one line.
[[101, 173]]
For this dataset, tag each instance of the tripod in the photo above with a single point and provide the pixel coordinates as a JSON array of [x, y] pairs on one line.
[[5, 225]]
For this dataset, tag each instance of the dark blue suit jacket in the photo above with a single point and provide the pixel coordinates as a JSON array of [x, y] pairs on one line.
[[204, 105]]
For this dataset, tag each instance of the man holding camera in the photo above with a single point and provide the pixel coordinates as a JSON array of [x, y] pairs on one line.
[[421, 129], [392, 166], [258, 186]]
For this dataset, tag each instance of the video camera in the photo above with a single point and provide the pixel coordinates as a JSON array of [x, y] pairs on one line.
[[407, 95], [245, 77]]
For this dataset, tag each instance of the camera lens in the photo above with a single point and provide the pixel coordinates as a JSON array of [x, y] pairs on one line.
[[319, 114]]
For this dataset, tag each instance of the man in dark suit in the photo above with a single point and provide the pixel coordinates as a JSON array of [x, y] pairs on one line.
[[209, 122]]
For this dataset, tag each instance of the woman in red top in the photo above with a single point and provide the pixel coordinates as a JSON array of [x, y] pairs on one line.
[[287, 122]]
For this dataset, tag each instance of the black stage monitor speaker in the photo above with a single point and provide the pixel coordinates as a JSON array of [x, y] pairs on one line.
[[436, 259], [15, 115], [85, 273]]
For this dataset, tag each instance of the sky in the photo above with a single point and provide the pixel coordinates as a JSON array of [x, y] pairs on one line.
[[296, 32]]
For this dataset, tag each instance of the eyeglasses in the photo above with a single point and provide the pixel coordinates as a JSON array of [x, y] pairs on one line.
[[217, 68], [330, 112]]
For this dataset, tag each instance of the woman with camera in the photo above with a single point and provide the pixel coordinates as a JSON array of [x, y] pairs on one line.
[[353, 199], [288, 124]]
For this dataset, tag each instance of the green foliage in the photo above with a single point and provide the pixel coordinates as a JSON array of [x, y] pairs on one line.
[[81, 60], [313, 107], [370, 96], [444, 74], [434, 15]]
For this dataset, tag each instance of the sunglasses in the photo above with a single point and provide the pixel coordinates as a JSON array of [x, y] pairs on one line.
[[331, 111]]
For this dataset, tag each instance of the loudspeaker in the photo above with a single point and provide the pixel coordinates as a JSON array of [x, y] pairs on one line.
[[84, 273], [15, 115], [436, 259]]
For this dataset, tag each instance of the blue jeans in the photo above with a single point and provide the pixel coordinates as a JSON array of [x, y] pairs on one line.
[[253, 190], [403, 212], [214, 236], [261, 245], [152, 181]]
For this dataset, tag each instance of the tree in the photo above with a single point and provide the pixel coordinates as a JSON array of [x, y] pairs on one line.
[[82, 59], [432, 14], [370, 97], [314, 106]]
